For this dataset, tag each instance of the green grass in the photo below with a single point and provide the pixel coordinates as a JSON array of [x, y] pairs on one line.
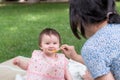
[[118, 6], [20, 25]]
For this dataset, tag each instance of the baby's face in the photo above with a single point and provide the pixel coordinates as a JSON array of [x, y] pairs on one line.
[[49, 43]]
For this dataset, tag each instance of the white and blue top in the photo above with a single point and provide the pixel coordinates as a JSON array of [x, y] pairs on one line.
[[101, 52]]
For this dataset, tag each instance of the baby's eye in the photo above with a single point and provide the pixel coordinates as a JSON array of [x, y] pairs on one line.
[[54, 43], [47, 43]]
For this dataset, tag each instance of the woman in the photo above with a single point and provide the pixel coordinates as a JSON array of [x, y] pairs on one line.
[[99, 23]]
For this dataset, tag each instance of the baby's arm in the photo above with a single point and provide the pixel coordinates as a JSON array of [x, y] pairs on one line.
[[22, 63], [68, 75]]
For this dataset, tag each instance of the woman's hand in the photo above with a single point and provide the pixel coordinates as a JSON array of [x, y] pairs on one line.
[[69, 51]]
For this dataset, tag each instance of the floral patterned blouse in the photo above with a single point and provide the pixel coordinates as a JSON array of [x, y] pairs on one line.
[[101, 52]]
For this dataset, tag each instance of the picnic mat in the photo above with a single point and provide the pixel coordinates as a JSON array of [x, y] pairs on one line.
[[8, 71]]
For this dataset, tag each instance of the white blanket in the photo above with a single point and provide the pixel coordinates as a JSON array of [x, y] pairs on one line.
[[76, 69]]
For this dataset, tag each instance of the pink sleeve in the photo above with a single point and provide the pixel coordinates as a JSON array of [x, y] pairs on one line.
[[34, 53], [34, 56], [66, 64], [65, 60]]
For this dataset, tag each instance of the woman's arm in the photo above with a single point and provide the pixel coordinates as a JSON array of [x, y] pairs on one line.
[[108, 76], [79, 59], [70, 52]]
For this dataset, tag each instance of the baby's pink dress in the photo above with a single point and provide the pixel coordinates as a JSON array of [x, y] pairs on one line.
[[43, 68]]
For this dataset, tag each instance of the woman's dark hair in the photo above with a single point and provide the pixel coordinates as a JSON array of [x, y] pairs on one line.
[[49, 31], [85, 12]]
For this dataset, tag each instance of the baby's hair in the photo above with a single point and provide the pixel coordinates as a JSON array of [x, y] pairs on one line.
[[49, 31]]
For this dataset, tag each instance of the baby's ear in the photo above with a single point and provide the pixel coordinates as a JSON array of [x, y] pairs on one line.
[[40, 47]]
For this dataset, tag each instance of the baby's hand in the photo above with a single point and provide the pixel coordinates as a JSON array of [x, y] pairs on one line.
[[16, 61]]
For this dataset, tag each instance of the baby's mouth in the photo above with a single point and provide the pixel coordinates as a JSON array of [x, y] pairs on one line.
[[54, 51]]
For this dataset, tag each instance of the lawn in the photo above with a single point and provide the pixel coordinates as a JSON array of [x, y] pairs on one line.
[[20, 25]]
